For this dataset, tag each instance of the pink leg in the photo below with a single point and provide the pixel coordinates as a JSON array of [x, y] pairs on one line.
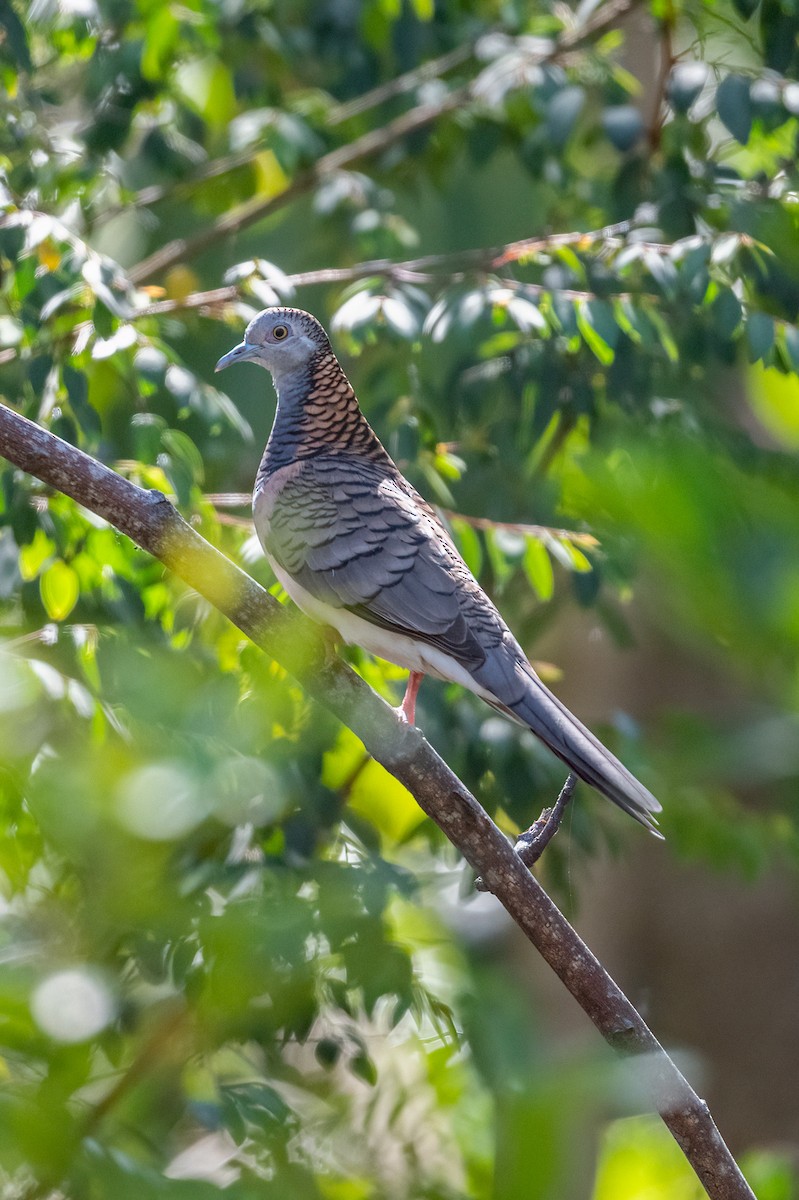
[[407, 710]]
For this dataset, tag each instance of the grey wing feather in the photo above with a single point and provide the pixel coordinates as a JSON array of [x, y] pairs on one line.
[[357, 538]]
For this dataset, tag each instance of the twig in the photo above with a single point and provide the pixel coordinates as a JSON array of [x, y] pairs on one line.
[[150, 1056], [531, 844], [666, 63], [537, 531], [434, 68], [155, 525], [426, 268], [258, 208], [365, 146]]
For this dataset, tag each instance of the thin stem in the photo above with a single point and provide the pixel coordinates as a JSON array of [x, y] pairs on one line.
[[434, 68], [531, 844], [426, 268], [667, 61]]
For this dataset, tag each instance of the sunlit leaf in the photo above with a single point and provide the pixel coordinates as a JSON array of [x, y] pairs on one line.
[[207, 85], [598, 327], [35, 554], [469, 543], [775, 399], [538, 569], [59, 589]]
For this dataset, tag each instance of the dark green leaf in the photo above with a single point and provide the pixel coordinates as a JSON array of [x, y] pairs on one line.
[[15, 36], [563, 112], [362, 1066], [623, 125], [685, 83], [733, 106], [727, 312], [759, 335]]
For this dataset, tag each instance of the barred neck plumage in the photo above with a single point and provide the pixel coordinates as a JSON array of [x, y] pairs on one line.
[[318, 413]]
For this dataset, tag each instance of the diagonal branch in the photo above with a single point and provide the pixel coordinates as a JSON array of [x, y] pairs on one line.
[[369, 144], [400, 85], [151, 521], [257, 208]]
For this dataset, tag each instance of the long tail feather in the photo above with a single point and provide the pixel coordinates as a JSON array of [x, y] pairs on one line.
[[567, 737]]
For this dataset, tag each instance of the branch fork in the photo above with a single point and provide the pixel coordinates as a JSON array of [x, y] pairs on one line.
[[531, 844]]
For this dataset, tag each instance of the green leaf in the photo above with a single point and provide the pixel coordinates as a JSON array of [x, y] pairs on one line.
[[382, 800], [727, 312], [501, 567], [685, 83], [469, 544], [59, 588], [638, 1158], [623, 125], [665, 336], [207, 85], [538, 569], [790, 337], [759, 335], [362, 1066], [775, 400], [15, 36], [564, 109], [163, 28], [183, 450], [578, 561], [734, 107], [327, 1052], [35, 554], [599, 329]]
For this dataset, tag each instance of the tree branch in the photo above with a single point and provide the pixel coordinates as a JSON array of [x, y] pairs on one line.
[[365, 146], [154, 524], [257, 208], [428, 268], [432, 68]]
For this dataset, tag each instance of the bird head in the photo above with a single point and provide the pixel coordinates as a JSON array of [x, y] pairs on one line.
[[283, 340]]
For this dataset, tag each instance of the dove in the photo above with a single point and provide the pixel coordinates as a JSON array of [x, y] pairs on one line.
[[356, 547]]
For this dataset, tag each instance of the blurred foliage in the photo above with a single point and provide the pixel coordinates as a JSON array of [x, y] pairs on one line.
[[233, 952]]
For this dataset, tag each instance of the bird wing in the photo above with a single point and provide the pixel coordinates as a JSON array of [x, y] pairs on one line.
[[358, 537]]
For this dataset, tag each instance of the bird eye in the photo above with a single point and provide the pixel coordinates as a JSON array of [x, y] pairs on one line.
[[280, 332]]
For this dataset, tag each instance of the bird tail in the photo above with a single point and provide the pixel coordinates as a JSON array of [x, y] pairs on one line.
[[567, 737]]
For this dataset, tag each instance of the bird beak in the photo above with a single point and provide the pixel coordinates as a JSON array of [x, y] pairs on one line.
[[240, 353]]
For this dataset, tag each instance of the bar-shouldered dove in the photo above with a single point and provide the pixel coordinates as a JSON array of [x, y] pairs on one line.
[[357, 548]]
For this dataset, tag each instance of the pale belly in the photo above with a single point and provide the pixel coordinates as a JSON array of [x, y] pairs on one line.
[[394, 647]]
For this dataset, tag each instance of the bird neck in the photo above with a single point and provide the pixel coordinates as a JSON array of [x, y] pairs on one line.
[[318, 414]]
